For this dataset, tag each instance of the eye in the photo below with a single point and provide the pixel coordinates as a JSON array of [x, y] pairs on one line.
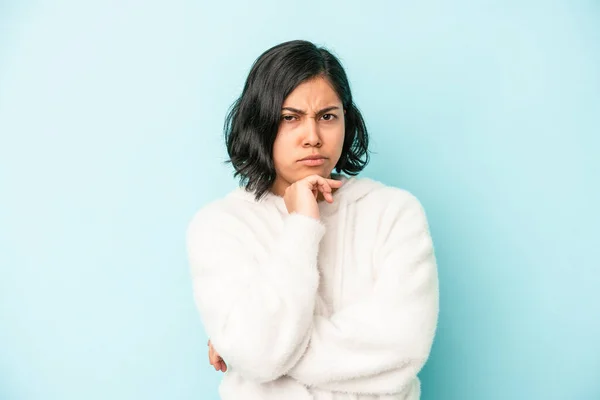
[[329, 117], [288, 118]]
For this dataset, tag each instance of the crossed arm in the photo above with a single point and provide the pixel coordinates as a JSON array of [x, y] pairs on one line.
[[374, 346]]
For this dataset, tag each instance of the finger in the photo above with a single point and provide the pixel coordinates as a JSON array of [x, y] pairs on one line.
[[317, 181], [327, 195], [219, 363], [224, 369], [214, 357], [323, 185], [326, 190], [314, 180], [334, 183], [215, 363]]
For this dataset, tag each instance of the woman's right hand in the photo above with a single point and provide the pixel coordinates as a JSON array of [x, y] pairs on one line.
[[301, 196], [215, 359]]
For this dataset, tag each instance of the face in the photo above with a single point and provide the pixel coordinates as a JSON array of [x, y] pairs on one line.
[[311, 124]]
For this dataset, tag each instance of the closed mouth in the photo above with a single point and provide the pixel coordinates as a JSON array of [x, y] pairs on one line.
[[312, 158]]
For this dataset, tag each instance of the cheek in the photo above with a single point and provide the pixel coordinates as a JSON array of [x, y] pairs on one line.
[[276, 152], [340, 135], [281, 150], [338, 145]]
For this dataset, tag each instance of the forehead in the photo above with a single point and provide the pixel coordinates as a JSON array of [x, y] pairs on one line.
[[313, 93]]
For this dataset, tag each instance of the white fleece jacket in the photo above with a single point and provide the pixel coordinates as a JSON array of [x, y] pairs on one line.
[[344, 307]]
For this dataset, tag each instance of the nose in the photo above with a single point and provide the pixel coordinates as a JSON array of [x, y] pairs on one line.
[[312, 138]]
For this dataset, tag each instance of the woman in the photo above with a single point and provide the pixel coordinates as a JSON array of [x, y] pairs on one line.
[[311, 284]]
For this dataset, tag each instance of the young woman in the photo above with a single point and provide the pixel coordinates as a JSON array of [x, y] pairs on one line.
[[311, 284]]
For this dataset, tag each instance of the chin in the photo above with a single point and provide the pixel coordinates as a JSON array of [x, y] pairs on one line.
[[324, 172]]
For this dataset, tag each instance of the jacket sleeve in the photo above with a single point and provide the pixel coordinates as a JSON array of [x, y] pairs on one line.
[[257, 315], [379, 344]]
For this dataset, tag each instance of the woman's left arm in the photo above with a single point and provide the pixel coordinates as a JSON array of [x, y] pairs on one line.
[[378, 345]]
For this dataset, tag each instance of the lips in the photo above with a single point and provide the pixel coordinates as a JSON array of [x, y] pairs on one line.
[[313, 161], [313, 157]]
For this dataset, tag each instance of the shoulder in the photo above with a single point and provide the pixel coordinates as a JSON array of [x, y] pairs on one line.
[[389, 199], [226, 214], [391, 209], [397, 215]]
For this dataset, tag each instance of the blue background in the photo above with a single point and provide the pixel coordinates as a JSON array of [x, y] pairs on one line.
[[110, 121]]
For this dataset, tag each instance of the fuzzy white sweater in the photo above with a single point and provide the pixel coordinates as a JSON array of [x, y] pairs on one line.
[[344, 307]]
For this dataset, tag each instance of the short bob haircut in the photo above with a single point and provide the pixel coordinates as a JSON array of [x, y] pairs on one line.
[[252, 121]]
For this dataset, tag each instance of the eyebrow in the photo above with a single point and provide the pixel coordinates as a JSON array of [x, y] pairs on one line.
[[304, 112]]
